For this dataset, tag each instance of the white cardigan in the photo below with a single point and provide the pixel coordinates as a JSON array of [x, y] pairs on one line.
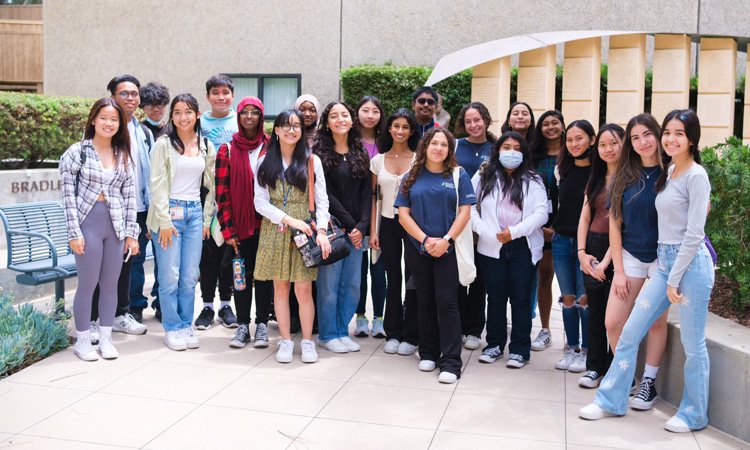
[[534, 216]]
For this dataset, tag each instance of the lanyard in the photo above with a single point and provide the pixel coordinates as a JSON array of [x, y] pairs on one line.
[[285, 191], [550, 174]]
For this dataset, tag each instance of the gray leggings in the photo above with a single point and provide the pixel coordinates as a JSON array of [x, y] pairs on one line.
[[100, 263]]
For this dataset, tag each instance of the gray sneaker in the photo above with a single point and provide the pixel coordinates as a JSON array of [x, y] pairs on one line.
[[490, 355], [261, 336], [241, 337]]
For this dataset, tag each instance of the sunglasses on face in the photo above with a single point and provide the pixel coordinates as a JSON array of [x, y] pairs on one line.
[[429, 101]]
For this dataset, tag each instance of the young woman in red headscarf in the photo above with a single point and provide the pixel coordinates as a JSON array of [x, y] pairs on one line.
[[236, 165]]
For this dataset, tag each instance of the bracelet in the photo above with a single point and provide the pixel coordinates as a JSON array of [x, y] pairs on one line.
[[581, 249]]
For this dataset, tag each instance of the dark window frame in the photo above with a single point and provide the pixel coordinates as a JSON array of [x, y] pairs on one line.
[[261, 76]]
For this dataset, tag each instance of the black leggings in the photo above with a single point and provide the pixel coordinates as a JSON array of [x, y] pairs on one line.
[[213, 268], [243, 300], [401, 323], [600, 354]]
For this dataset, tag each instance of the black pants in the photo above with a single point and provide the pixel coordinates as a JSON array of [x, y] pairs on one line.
[[243, 300], [512, 275], [471, 304], [597, 292], [401, 320], [213, 268], [436, 280]]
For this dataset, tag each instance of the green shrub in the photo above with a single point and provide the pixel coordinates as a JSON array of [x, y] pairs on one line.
[[27, 335], [728, 223], [38, 127], [394, 86]]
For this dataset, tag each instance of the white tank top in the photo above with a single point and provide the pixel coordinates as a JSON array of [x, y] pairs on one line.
[[108, 174], [186, 184]]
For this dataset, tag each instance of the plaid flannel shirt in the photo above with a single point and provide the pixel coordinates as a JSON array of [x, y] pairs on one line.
[[119, 192], [223, 191]]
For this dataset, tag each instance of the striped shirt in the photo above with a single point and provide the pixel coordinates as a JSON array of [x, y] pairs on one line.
[[119, 191]]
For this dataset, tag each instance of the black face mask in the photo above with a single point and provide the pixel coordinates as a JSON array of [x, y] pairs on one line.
[[583, 155]]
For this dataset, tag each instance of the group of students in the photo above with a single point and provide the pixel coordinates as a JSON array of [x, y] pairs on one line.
[[599, 210]]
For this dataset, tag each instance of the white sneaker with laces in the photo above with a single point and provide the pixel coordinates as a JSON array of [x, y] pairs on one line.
[[406, 349], [590, 380], [94, 333], [361, 327], [472, 342], [566, 360], [84, 350], [127, 324], [285, 354], [174, 340], [106, 348], [350, 344], [593, 412], [334, 345], [309, 354], [377, 328], [191, 340], [426, 365], [515, 361], [391, 346], [542, 341], [579, 363]]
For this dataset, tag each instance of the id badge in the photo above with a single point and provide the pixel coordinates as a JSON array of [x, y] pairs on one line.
[[282, 228], [549, 206], [177, 213]]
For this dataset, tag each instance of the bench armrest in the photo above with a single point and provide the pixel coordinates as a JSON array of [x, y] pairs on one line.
[[46, 238]]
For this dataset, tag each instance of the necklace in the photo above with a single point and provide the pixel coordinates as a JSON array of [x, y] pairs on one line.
[[474, 146], [648, 175]]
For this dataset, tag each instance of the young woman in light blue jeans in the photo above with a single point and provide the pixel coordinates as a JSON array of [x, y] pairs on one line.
[[181, 163], [685, 277]]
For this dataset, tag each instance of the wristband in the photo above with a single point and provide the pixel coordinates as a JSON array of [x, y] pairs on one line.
[[581, 249]]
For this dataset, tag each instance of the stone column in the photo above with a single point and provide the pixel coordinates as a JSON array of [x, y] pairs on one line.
[[717, 73], [536, 79], [582, 80], [746, 121], [626, 79], [491, 85], [671, 81]]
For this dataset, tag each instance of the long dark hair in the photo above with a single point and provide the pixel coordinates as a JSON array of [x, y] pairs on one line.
[[630, 166], [386, 140], [692, 125], [325, 146], [511, 184], [598, 180], [565, 160], [271, 168], [506, 125], [174, 138], [538, 144], [379, 126], [121, 139], [449, 163], [486, 118]]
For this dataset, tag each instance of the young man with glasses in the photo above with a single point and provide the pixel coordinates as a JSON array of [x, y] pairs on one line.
[[424, 102], [154, 102]]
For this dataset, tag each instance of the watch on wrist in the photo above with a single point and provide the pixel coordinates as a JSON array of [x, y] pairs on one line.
[[448, 238]]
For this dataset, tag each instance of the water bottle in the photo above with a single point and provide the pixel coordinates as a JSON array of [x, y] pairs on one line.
[[238, 264]]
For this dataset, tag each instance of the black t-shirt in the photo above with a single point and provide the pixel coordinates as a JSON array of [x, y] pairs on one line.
[[571, 190], [349, 198]]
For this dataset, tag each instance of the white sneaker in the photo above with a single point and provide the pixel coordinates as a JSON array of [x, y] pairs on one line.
[[350, 344], [285, 354], [309, 354], [590, 380], [391, 346], [542, 341], [676, 425], [472, 342], [447, 377], [107, 349], [566, 360], [406, 349], [127, 324], [377, 328], [191, 340], [85, 351], [94, 333], [579, 362], [361, 327], [515, 361], [426, 365], [593, 412], [334, 345], [174, 340]]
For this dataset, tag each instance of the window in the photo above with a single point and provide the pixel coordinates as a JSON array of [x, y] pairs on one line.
[[278, 92]]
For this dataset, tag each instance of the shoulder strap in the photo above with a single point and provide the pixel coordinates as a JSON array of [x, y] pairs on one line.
[[82, 155], [311, 185], [456, 178], [145, 132]]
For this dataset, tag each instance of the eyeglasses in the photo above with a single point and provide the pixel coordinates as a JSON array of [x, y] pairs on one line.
[[429, 101], [295, 128], [125, 94], [253, 112], [150, 107]]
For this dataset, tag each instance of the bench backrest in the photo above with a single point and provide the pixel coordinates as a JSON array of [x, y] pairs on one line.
[[45, 218]]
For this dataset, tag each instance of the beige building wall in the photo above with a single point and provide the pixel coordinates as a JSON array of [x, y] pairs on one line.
[[716, 85], [491, 86], [626, 78], [671, 81], [536, 79], [582, 80]]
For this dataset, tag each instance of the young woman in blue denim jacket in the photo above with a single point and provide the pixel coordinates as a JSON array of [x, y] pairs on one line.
[[573, 170], [181, 162], [685, 277]]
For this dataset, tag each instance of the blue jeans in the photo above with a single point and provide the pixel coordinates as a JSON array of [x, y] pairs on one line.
[[511, 278], [377, 290], [570, 279], [652, 302], [178, 266], [137, 275], [338, 294]]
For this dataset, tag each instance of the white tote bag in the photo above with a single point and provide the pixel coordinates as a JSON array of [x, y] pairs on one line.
[[467, 271]]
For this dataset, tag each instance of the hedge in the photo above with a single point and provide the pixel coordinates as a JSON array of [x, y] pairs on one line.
[[38, 127]]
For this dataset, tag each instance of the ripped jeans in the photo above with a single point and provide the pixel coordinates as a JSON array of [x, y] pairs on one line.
[[570, 279]]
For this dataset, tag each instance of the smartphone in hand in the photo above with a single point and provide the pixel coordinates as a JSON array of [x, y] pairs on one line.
[[127, 255]]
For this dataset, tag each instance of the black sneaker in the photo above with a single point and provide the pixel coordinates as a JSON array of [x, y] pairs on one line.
[[157, 314], [241, 337], [227, 317], [590, 380], [137, 313], [491, 354], [646, 397], [203, 322]]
